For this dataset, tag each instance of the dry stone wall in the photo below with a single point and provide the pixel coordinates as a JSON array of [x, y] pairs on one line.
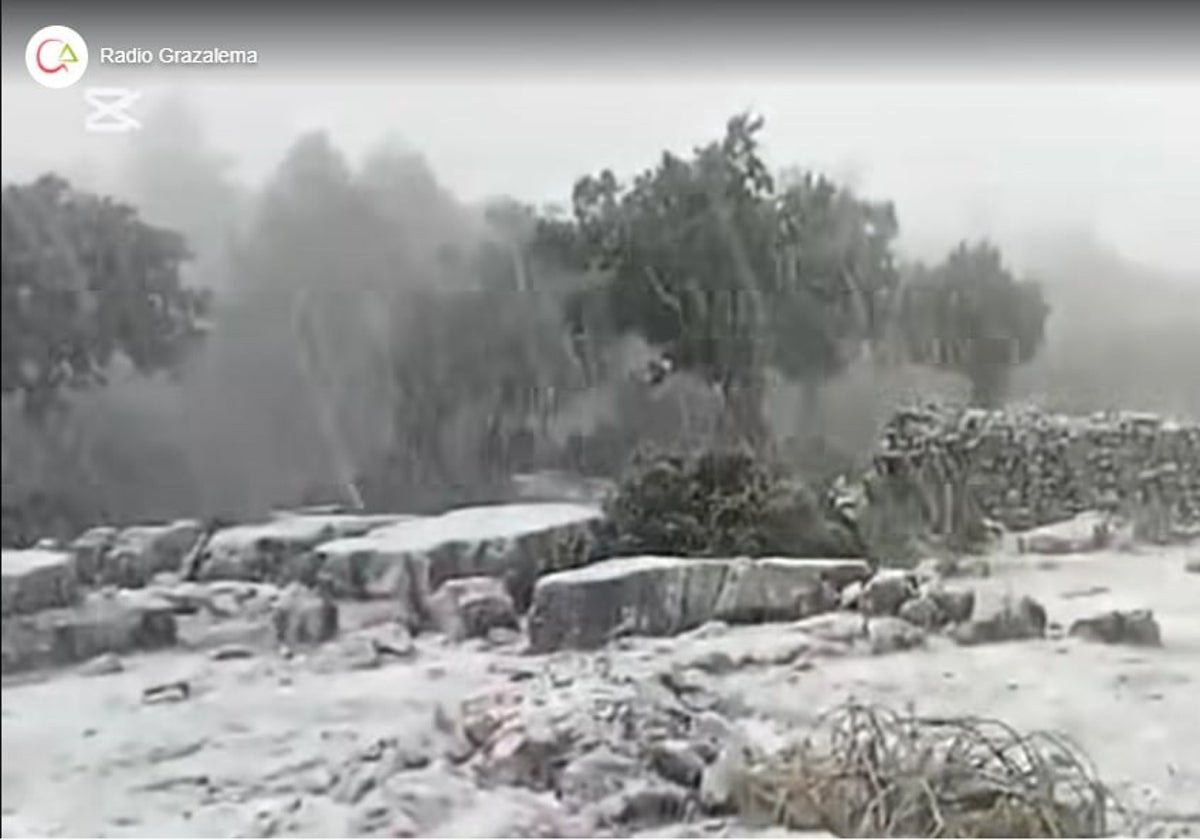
[[1025, 468]]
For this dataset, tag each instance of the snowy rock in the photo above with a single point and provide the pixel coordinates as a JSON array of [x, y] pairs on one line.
[[280, 550], [884, 593], [515, 543], [114, 621], [102, 665], [781, 589], [470, 607], [720, 779], [676, 760], [888, 634], [1024, 619], [663, 596], [304, 617], [956, 605], [37, 579], [923, 612], [1089, 531], [143, 551], [89, 549], [1136, 627]]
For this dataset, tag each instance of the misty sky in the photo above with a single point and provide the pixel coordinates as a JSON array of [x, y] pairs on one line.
[[963, 154]]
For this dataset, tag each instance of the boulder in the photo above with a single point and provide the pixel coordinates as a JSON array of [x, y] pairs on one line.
[[884, 593], [470, 607], [304, 617], [89, 549], [282, 549], [676, 760], [139, 553], [888, 634], [516, 543], [1089, 531], [1012, 621], [664, 596], [37, 579], [110, 621], [1136, 627], [922, 611], [955, 605]]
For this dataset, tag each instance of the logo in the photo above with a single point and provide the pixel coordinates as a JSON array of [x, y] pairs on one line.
[[111, 109], [56, 56]]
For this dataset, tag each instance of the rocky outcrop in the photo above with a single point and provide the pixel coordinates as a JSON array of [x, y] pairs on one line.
[[1136, 627], [471, 607], [514, 543], [110, 621], [37, 579], [281, 550], [662, 596]]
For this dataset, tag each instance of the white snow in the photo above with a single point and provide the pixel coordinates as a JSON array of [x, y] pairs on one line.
[[476, 524], [17, 562]]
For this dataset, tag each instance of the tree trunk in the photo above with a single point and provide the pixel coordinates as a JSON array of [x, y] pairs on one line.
[[743, 419]]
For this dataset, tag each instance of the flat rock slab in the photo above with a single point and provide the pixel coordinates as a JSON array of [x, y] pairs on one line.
[[139, 553], [112, 621], [280, 550], [663, 596], [37, 579], [516, 543], [1086, 532]]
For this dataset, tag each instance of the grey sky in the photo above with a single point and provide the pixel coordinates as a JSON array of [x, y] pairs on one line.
[[1029, 148]]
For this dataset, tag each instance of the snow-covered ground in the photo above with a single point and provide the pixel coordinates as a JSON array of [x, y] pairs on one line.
[[263, 744]]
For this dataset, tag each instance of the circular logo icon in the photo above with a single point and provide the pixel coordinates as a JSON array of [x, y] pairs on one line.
[[56, 56]]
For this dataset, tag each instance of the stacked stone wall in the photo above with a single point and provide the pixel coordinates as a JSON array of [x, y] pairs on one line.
[[1025, 468]]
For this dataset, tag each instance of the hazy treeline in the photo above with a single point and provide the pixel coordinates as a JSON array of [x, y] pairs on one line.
[[375, 339]]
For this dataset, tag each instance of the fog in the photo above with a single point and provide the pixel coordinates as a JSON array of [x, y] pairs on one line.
[[1088, 178], [961, 159]]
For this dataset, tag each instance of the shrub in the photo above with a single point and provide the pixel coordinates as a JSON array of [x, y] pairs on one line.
[[871, 772], [719, 503]]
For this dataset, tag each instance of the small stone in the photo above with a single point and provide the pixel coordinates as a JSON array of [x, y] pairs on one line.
[[470, 607], [720, 779], [229, 652], [102, 665], [676, 761]]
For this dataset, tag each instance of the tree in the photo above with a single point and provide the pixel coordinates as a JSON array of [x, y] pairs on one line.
[[728, 274], [969, 314], [85, 282]]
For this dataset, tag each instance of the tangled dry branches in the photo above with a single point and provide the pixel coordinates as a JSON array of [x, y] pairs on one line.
[[870, 772]]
